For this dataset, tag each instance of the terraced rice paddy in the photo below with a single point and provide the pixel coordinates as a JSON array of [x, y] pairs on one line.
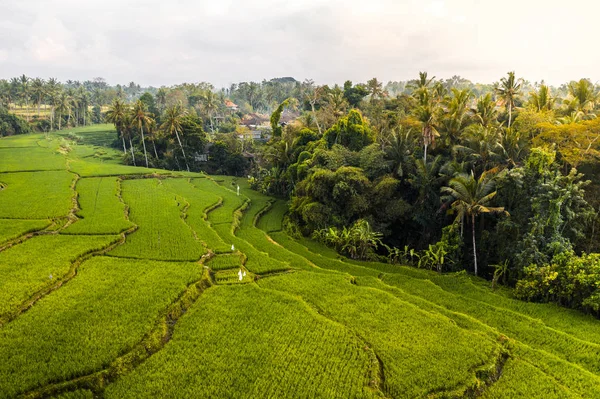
[[121, 282]]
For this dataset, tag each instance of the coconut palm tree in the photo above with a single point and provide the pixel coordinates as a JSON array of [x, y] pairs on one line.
[[428, 114], [210, 105], [485, 110], [116, 114], [172, 124], [63, 106], [542, 99], [38, 92], [471, 197], [140, 119], [52, 92], [455, 118], [508, 91], [584, 96], [24, 89]]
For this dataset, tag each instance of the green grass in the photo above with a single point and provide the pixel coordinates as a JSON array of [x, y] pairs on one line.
[[14, 228], [162, 233], [30, 159], [245, 342], [102, 313], [36, 195], [201, 197], [422, 353], [21, 140], [101, 211], [26, 268]]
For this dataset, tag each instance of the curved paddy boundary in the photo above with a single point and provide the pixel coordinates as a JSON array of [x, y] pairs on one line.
[[151, 343]]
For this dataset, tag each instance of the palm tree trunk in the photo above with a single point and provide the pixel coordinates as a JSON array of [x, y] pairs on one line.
[[124, 147], [509, 115], [425, 154], [132, 154], [59, 120], [144, 144], [182, 151], [474, 247], [312, 105], [154, 145]]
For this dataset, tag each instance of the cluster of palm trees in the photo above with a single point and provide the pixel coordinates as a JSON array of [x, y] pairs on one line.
[[72, 104], [130, 120]]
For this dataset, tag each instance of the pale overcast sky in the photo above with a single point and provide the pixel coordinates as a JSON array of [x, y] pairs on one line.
[[160, 42]]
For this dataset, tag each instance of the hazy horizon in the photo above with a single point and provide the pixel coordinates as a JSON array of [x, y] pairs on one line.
[[156, 43]]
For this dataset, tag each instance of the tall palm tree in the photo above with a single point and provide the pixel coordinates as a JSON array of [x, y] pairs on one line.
[[375, 88], [172, 124], [428, 114], [63, 106], [24, 92], [584, 96], [210, 105], [38, 92], [52, 92], [456, 117], [471, 197], [508, 91], [116, 114], [485, 110], [140, 118], [542, 99]]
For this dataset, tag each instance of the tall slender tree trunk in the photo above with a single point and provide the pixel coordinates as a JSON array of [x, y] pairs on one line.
[[52, 118], [509, 115], [474, 247], [154, 145], [425, 154], [59, 121], [144, 144], [38, 107], [312, 105], [123, 138], [182, 151], [132, 154]]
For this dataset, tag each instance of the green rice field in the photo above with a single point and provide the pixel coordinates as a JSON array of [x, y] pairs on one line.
[[126, 282]]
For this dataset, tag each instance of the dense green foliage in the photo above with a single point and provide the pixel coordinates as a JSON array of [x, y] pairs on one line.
[[11, 124], [443, 156]]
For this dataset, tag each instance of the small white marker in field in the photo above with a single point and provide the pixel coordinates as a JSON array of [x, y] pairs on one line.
[[238, 190], [244, 274], [232, 247], [240, 275]]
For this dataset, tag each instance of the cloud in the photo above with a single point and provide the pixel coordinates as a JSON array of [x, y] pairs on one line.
[[157, 42]]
